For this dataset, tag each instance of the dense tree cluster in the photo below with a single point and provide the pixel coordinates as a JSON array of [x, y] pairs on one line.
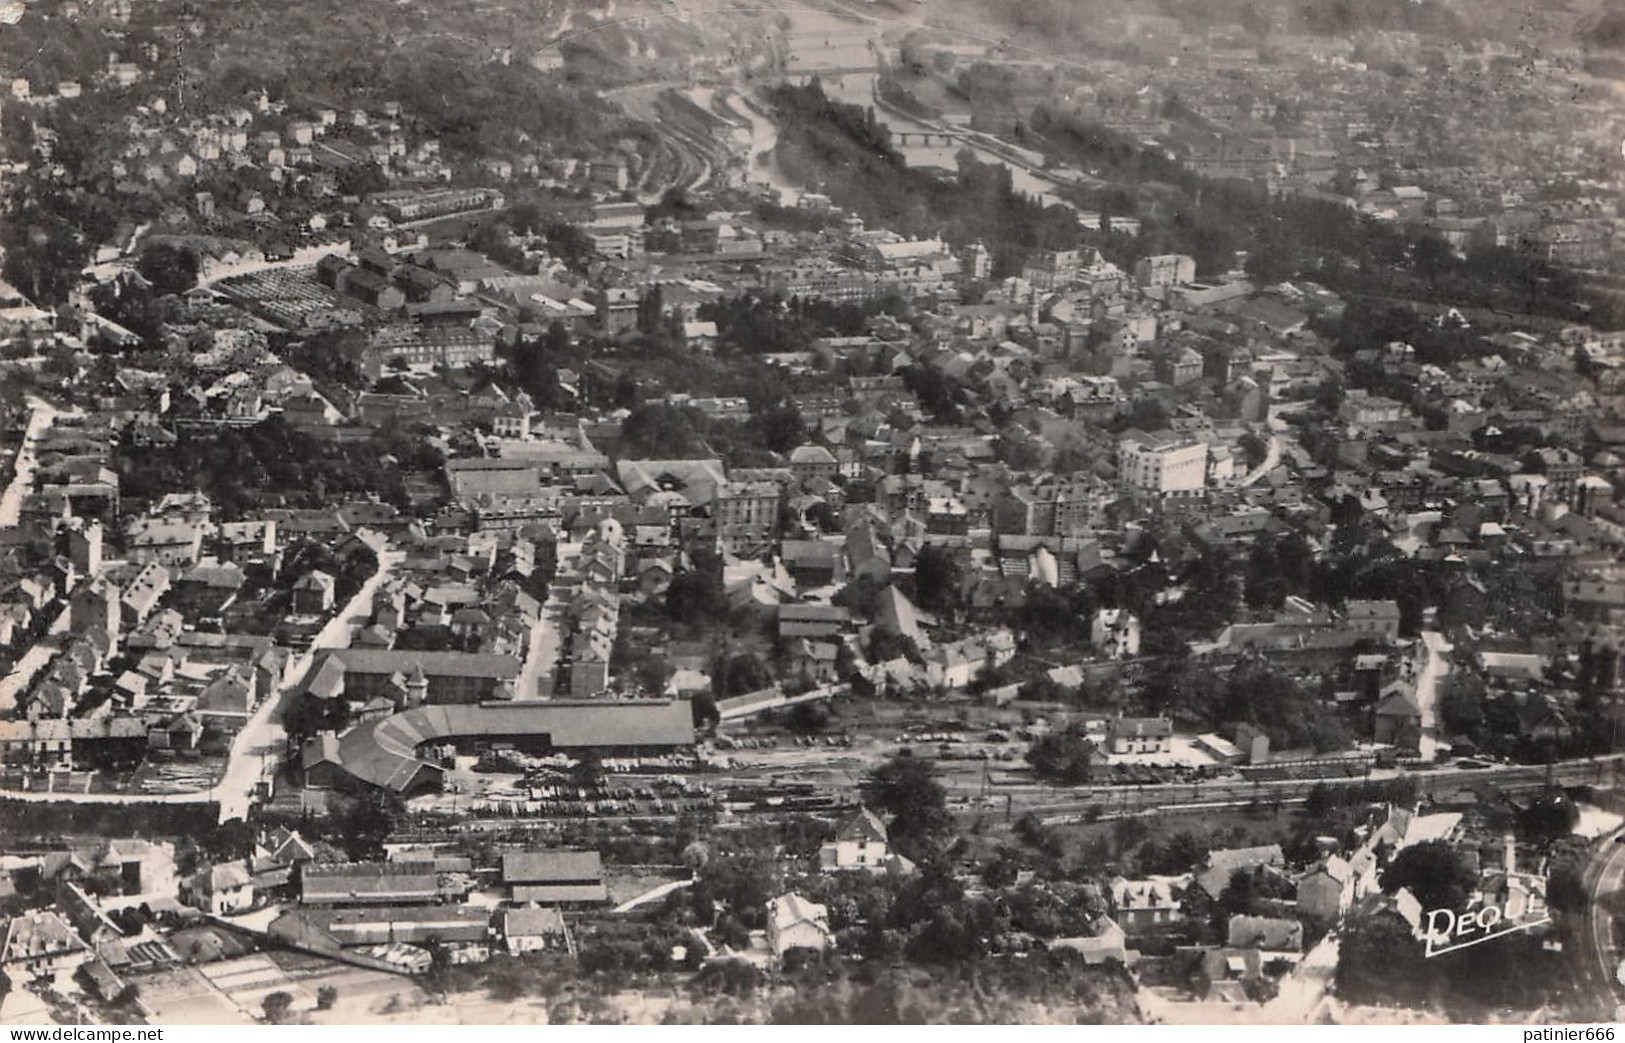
[[1252, 693], [907, 789], [1492, 721], [1435, 872], [662, 431], [1302, 236], [1062, 757], [851, 152], [1381, 962], [366, 822], [170, 267], [272, 464]]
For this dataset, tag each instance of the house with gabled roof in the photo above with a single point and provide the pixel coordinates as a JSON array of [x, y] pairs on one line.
[[862, 841], [1225, 862], [793, 922], [1109, 943], [1326, 891], [534, 929], [1141, 904], [896, 614], [228, 699], [1140, 734], [314, 592], [287, 847], [554, 877], [220, 889], [819, 622], [41, 944], [1399, 718], [1269, 933], [1404, 828]]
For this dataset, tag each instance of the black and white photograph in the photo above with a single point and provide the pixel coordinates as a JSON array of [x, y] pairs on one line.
[[811, 512]]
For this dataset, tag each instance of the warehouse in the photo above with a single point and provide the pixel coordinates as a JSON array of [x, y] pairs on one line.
[[383, 753]]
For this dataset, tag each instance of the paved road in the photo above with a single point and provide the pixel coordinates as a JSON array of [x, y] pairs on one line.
[[1435, 668], [22, 482], [1303, 992], [649, 896], [258, 751], [1272, 458], [23, 673], [541, 655]]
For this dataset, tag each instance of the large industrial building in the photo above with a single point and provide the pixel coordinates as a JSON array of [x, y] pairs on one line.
[[384, 753]]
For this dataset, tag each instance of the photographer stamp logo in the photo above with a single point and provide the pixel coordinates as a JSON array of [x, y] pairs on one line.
[[1521, 907]]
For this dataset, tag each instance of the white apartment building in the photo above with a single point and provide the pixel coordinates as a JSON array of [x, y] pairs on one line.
[[1161, 464]]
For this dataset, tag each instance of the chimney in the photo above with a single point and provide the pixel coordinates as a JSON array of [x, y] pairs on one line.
[[1509, 847]]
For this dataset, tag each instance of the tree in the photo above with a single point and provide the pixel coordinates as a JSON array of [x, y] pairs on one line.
[[1378, 961], [1549, 817], [808, 718], [703, 708], [1240, 894], [826, 517], [936, 580], [1062, 757], [695, 856], [276, 1006], [651, 309], [1259, 694], [696, 595], [326, 996], [1434, 872], [310, 715], [368, 822], [169, 267], [1001, 872], [361, 179], [1183, 852], [781, 428], [742, 884], [588, 770], [907, 789], [664, 432], [1565, 882], [738, 674], [45, 252], [1461, 704], [1320, 801], [860, 597], [228, 841]]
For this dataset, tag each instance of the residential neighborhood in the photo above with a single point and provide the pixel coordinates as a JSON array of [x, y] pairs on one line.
[[852, 513]]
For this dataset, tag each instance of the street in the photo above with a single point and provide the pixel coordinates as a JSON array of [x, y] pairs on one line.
[[1272, 459], [1303, 992], [542, 654], [1435, 669], [257, 751], [22, 482]]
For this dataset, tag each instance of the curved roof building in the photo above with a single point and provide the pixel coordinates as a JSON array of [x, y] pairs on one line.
[[383, 753]]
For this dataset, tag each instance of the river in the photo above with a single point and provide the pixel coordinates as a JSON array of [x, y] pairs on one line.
[[762, 138]]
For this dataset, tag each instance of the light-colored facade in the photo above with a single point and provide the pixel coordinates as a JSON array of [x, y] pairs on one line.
[[1163, 465]]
